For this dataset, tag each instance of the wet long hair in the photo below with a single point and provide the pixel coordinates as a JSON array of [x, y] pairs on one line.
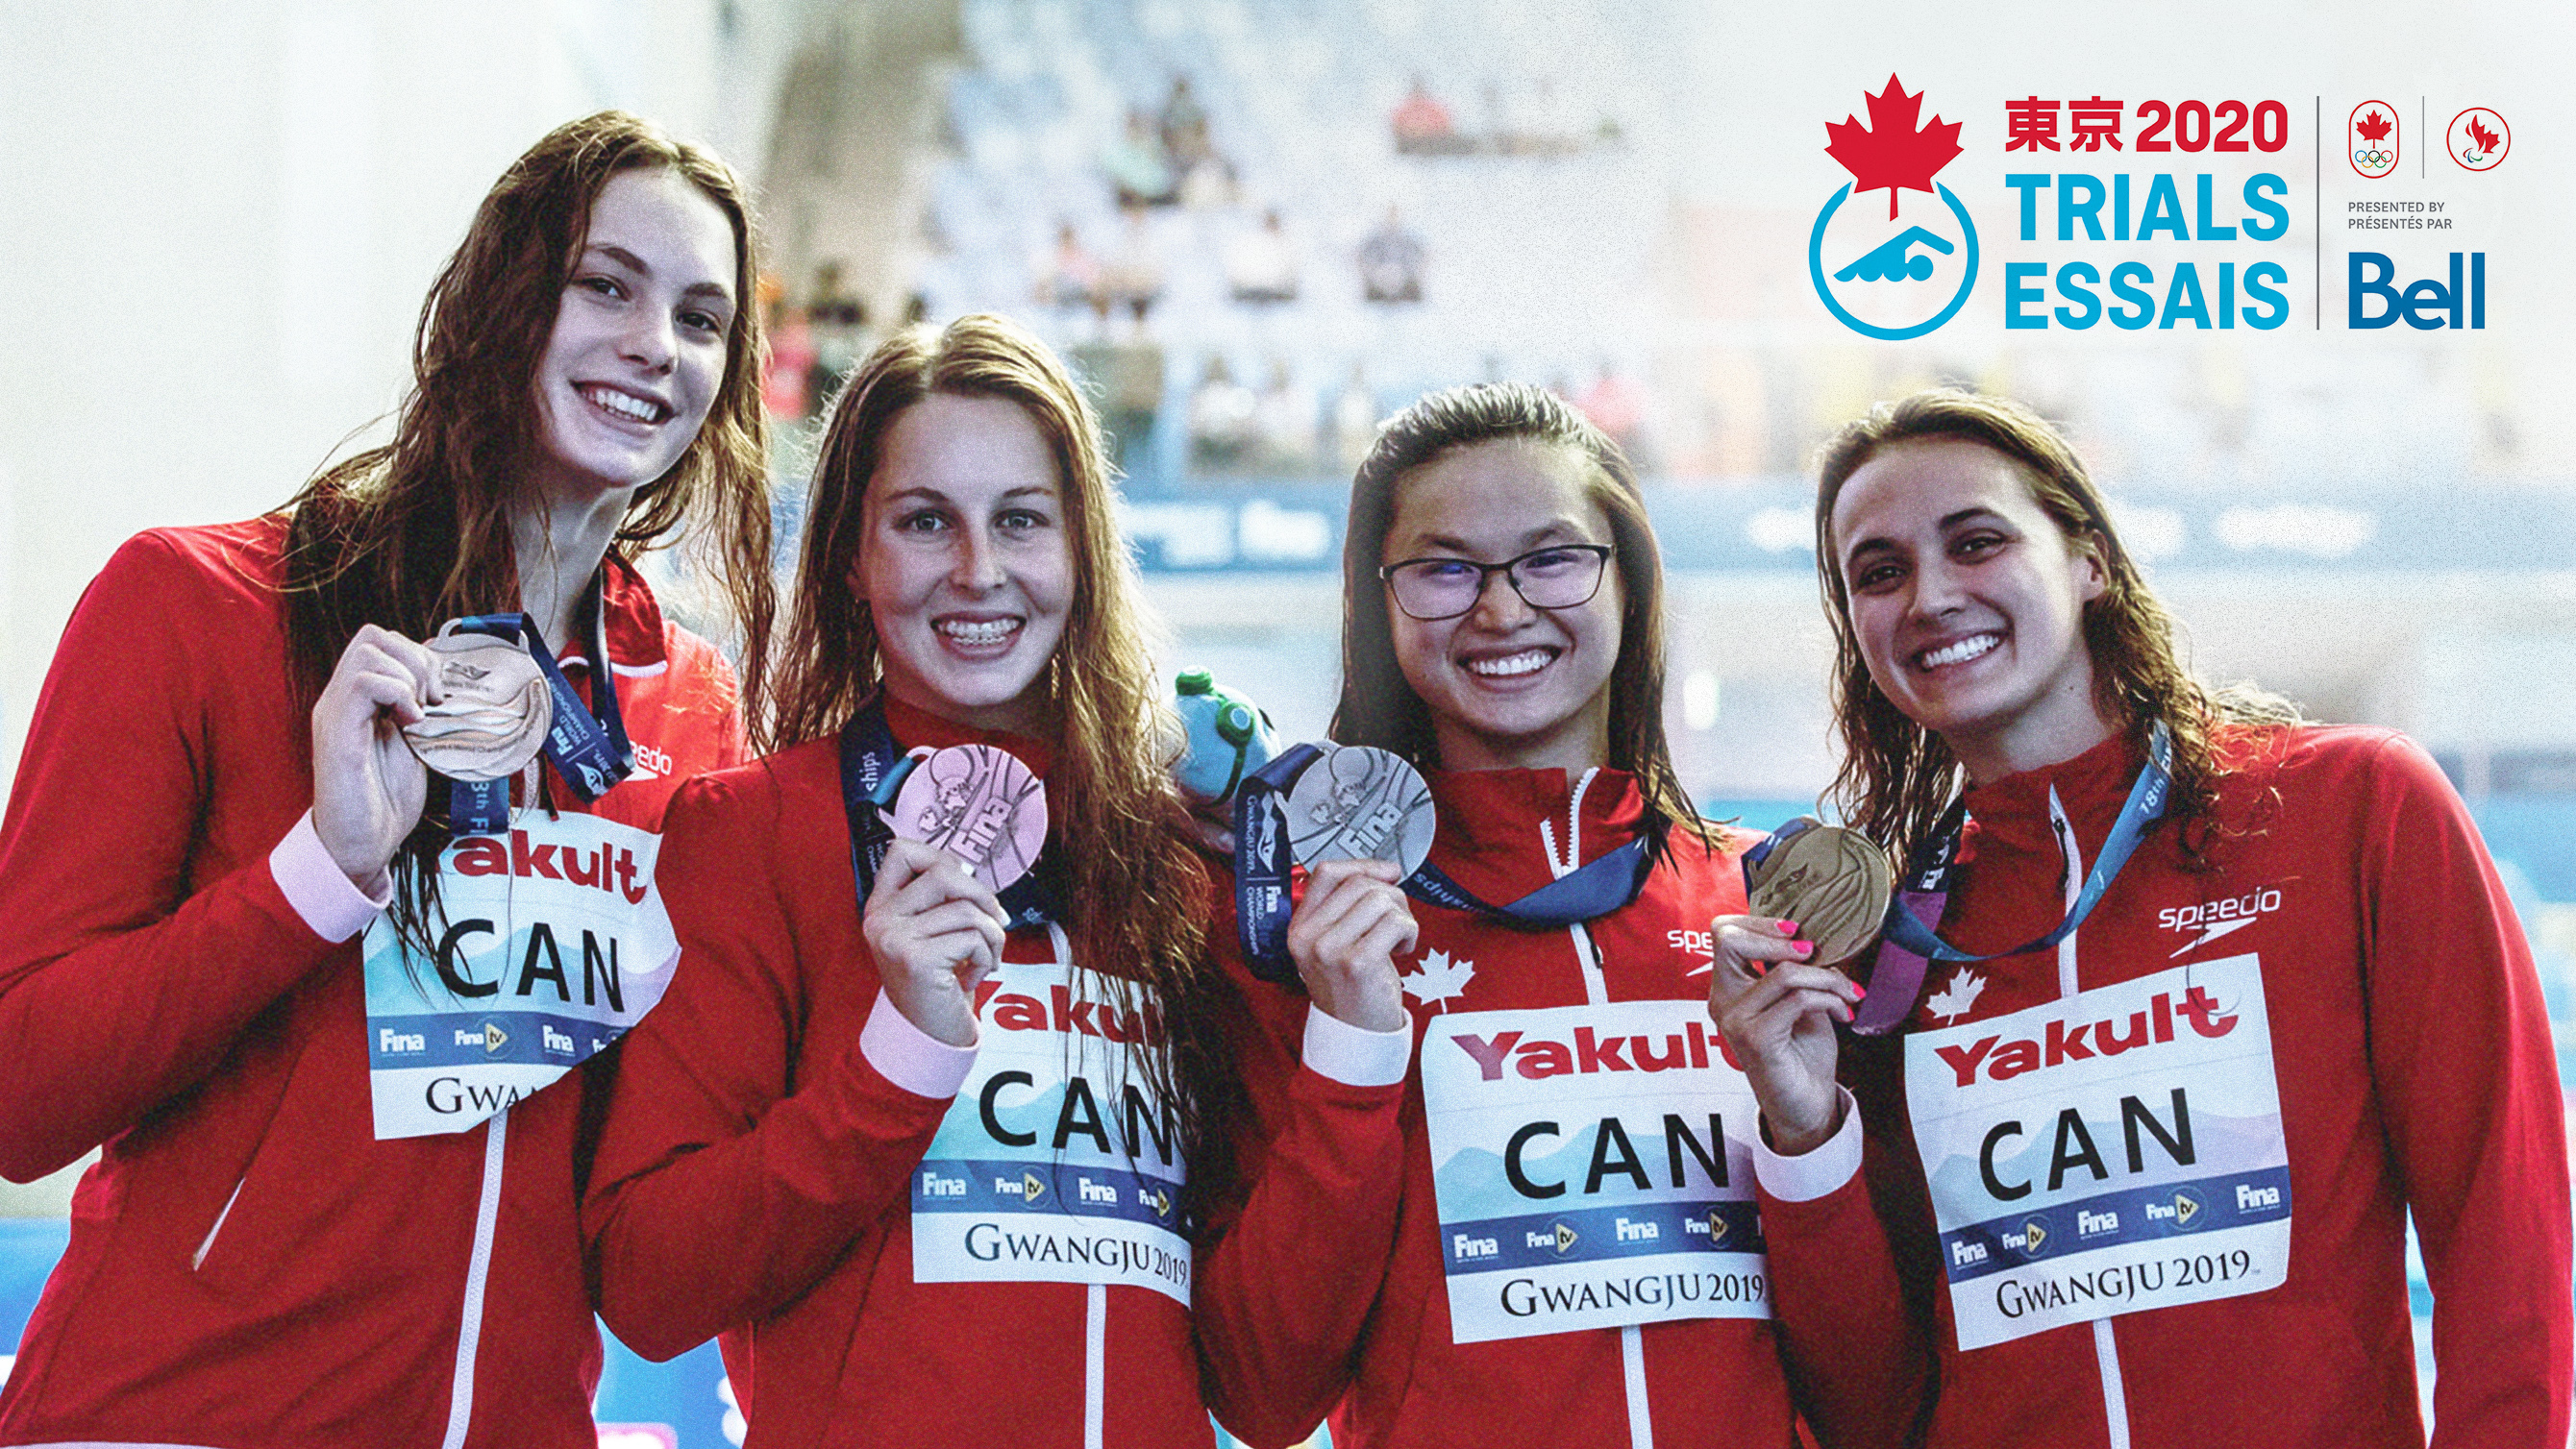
[[411, 534], [1138, 899], [1897, 777], [1379, 707]]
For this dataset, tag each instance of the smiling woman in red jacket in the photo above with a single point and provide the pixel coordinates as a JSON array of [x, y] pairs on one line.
[[935, 1145], [268, 1252], [2148, 1150], [1577, 1258]]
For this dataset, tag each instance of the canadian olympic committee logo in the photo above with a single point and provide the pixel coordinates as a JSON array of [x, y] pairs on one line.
[[2371, 135], [1887, 288]]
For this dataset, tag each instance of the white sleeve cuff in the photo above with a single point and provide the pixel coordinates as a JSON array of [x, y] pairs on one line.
[[909, 1057], [319, 890], [1812, 1175], [1354, 1055]]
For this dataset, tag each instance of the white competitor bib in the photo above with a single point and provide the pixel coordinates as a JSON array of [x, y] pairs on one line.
[[1056, 1163], [551, 942], [2115, 1151], [1591, 1168]]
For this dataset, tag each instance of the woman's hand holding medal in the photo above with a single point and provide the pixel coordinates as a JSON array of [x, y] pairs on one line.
[[1777, 1013], [1344, 937], [368, 787], [935, 931]]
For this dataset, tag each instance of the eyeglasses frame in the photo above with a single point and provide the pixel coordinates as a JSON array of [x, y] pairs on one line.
[[1485, 575]]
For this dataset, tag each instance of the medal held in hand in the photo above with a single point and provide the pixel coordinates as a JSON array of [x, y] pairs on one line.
[[1360, 803], [978, 803], [1834, 883], [495, 713]]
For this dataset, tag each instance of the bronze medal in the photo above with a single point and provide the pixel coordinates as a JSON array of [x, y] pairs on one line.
[[495, 712], [1360, 803], [978, 803], [1834, 883]]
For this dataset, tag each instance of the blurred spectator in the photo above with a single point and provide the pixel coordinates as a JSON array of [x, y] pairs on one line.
[[1139, 168], [784, 385], [839, 321], [1614, 405], [1128, 379], [1070, 276], [1134, 276], [1184, 128], [1261, 266], [1423, 126], [1223, 423], [1284, 422], [1391, 262], [1353, 428]]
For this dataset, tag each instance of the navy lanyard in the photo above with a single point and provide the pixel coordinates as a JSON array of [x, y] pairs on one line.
[[1261, 876], [1910, 944], [873, 769], [591, 752]]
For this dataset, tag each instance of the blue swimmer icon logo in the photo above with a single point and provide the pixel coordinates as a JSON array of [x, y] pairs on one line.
[[1895, 155], [1890, 260]]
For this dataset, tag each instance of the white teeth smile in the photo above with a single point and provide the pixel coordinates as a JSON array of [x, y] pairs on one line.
[[1526, 662], [977, 631], [1972, 647], [634, 409]]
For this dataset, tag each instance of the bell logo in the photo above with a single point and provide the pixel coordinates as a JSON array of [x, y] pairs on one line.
[[494, 1038]]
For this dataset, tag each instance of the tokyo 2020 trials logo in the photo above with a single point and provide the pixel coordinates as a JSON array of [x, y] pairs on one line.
[[1896, 280]]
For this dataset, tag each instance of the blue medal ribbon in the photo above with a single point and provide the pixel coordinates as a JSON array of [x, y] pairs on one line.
[[1262, 900], [1909, 944], [873, 769], [591, 752]]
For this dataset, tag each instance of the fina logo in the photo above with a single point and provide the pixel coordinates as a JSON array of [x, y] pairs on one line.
[[1880, 290]]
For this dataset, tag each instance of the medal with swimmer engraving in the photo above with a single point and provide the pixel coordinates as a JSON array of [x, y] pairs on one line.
[[978, 803], [1360, 803], [1834, 883], [495, 712]]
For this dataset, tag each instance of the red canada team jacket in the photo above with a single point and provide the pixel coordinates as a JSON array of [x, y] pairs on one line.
[[753, 1178], [179, 980], [2415, 1071], [1699, 1381]]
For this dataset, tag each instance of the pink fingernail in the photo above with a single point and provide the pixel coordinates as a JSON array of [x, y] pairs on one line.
[[1802, 947], [1788, 928], [1859, 992]]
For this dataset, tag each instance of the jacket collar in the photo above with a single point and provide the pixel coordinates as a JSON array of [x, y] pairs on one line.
[[2012, 813], [634, 618], [913, 728], [1490, 839]]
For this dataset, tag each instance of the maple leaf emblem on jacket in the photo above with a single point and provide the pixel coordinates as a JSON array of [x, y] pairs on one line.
[[1439, 979], [1891, 153], [1952, 1001]]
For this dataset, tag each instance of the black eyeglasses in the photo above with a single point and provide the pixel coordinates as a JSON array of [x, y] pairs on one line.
[[1558, 576]]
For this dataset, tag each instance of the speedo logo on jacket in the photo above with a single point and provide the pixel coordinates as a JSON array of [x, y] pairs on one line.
[[1060, 1012], [2062, 1041], [1586, 1052], [2213, 919]]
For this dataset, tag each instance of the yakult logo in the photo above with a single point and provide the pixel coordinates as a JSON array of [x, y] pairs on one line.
[[1538, 1058], [2062, 1041], [1060, 1012], [604, 867]]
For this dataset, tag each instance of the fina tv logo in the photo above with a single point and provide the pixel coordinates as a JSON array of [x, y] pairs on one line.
[[1886, 288]]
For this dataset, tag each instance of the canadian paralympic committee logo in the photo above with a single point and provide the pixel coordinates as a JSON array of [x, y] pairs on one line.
[[2479, 138], [1889, 289], [2372, 135]]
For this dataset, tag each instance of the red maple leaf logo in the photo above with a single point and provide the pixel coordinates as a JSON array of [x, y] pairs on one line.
[[1889, 153], [2372, 127], [2485, 139]]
